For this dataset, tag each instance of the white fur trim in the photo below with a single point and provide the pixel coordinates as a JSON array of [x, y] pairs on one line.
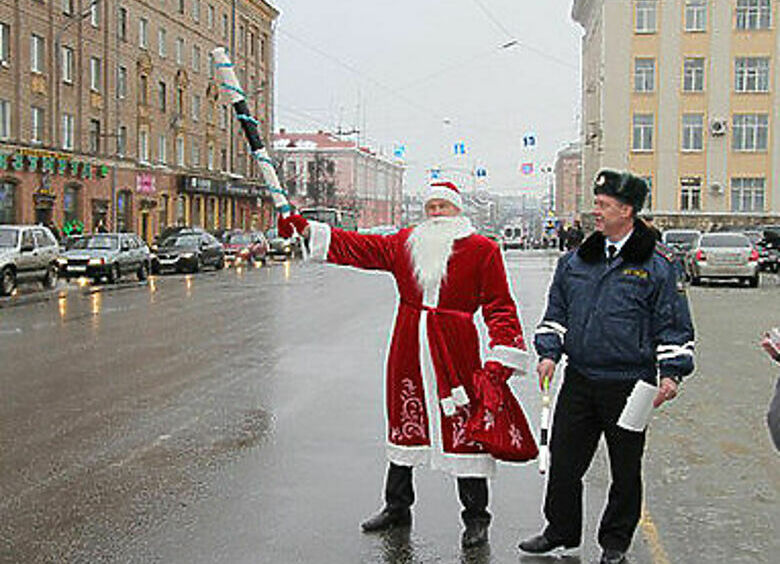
[[408, 456], [444, 193], [319, 240], [448, 406], [465, 465], [510, 356], [459, 396]]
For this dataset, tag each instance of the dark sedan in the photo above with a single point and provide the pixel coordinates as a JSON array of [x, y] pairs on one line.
[[190, 252]]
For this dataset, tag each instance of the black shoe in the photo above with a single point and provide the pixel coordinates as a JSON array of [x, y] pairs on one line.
[[476, 534], [387, 519], [612, 556], [540, 544]]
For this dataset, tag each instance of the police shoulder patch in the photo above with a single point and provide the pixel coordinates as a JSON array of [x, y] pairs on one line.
[[664, 251]]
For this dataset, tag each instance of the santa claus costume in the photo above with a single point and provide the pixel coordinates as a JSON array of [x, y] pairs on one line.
[[444, 274]]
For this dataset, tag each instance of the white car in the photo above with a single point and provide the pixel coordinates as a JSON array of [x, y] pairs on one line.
[[27, 252], [724, 255]]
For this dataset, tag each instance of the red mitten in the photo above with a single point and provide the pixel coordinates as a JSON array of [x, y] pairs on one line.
[[289, 225], [498, 372]]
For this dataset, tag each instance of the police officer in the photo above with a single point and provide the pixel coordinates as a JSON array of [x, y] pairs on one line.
[[615, 310]]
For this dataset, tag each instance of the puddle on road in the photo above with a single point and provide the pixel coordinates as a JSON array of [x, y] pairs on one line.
[[249, 431]]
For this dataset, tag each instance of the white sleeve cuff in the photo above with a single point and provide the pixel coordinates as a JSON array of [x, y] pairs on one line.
[[319, 240], [509, 356]]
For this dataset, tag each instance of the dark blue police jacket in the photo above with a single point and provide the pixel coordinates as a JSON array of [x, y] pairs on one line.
[[624, 320]]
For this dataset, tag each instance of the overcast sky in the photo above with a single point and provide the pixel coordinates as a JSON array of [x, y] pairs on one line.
[[429, 73]]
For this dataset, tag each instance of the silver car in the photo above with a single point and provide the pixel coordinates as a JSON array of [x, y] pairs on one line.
[[27, 252], [724, 255]]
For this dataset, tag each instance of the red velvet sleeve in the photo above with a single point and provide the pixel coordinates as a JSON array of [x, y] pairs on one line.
[[370, 252], [498, 307]]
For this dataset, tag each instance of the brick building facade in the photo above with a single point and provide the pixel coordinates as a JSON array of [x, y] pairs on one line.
[[111, 112]]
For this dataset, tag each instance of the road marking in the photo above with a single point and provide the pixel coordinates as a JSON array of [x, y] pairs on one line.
[[650, 533]]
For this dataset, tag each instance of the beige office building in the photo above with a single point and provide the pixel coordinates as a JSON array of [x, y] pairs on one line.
[[111, 111], [685, 93]]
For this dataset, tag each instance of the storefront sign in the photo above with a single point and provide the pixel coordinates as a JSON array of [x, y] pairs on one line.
[[201, 185], [51, 163], [144, 184]]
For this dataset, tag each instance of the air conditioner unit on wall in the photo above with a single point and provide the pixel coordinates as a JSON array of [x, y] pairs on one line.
[[718, 127]]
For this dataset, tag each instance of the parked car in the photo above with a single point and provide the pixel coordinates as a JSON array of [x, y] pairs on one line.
[[724, 255], [245, 247], [281, 247], [190, 251], [27, 252], [106, 255]]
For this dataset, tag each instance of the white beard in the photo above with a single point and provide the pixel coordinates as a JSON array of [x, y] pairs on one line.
[[430, 246]]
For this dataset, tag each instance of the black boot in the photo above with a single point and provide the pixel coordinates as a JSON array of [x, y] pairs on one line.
[[387, 519], [399, 497], [475, 534], [473, 493], [541, 544]]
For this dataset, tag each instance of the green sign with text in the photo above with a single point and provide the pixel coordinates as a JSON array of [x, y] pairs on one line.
[[60, 164]]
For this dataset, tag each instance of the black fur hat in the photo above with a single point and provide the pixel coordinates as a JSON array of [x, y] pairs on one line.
[[624, 186]]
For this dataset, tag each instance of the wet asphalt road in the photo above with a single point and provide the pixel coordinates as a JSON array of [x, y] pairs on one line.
[[238, 417]]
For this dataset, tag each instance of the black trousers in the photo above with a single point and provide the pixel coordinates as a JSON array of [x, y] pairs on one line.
[[473, 493], [585, 410]]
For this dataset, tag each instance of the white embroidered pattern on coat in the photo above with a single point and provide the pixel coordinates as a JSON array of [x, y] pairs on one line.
[[459, 429], [515, 436], [412, 411]]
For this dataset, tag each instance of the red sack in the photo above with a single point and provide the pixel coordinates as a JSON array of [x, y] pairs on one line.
[[498, 422]]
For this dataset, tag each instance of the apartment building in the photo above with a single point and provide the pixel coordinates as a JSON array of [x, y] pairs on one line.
[[685, 93], [322, 169], [110, 111], [569, 197]]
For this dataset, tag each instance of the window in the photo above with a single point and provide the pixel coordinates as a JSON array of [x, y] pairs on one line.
[[241, 38], [121, 28], [143, 146], [143, 89], [95, 74], [223, 117], [251, 44], [121, 82], [747, 194], [162, 155], [94, 13], [70, 203], [195, 107], [67, 65], [195, 149], [180, 101], [94, 135], [212, 67], [210, 17], [5, 119], [162, 96], [210, 157], [645, 16], [693, 132], [36, 130], [163, 211], [181, 6], [7, 202], [196, 10], [68, 124], [180, 150], [693, 74], [179, 50], [143, 33], [5, 42], [644, 75], [121, 141], [751, 132], [754, 14], [225, 26], [643, 132], [695, 15], [36, 53], [161, 42], [195, 58], [751, 74], [690, 194], [223, 158], [67, 7]]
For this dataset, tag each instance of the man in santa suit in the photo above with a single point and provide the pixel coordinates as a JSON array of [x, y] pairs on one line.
[[444, 273]]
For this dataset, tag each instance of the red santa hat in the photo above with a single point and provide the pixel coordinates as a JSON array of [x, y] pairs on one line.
[[444, 191]]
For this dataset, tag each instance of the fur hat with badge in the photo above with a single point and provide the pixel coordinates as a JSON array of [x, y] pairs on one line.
[[623, 186]]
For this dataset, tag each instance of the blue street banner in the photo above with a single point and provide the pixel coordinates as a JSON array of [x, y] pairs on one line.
[[459, 148], [527, 168], [435, 173], [480, 172], [399, 151], [529, 140]]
